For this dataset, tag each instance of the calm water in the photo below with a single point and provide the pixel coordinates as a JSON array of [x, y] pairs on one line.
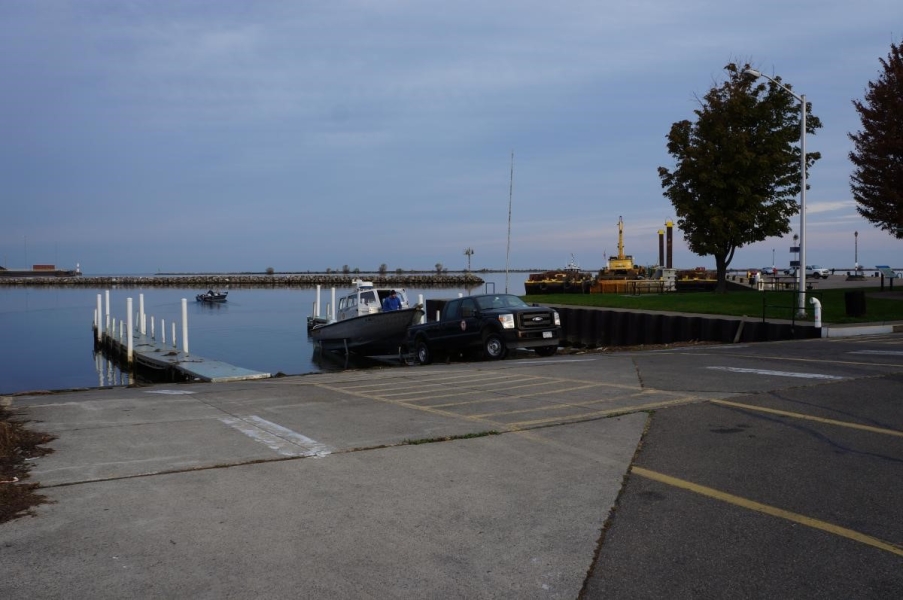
[[45, 333]]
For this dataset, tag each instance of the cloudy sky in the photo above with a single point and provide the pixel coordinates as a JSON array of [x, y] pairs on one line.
[[225, 135]]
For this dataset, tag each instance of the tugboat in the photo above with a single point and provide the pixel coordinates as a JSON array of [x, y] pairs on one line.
[[570, 280]]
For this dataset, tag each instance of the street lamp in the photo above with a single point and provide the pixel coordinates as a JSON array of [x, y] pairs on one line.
[[802, 268]]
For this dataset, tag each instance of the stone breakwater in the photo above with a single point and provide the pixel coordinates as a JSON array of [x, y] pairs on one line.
[[243, 280]]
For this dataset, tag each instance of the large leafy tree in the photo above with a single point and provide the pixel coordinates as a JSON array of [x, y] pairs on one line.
[[877, 180], [737, 167]]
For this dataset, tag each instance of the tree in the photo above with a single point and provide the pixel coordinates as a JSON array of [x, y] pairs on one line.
[[877, 180], [439, 268], [383, 268], [737, 167]]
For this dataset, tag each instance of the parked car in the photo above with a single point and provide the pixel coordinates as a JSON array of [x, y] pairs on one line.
[[811, 271]]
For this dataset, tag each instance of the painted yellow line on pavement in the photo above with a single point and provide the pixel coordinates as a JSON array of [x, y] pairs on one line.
[[605, 413], [804, 417], [769, 510]]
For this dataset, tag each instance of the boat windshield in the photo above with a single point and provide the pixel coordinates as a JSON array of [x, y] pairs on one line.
[[499, 301], [369, 297]]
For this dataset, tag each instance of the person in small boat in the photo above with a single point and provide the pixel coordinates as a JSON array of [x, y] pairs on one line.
[[392, 302]]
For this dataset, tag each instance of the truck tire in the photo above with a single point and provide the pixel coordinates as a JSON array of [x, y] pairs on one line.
[[547, 350], [422, 352], [493, 346]]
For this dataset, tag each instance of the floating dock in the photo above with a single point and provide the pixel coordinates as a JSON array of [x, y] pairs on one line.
[[152, 354]]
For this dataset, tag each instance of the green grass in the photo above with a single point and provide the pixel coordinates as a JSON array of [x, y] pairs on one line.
[[778, 305]]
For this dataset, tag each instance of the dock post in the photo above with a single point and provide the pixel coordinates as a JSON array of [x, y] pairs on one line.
[[106, 312], [141, 323], [185, 325], [420, 302], [173, 334], [332, 314], [97, 325], [130, 338], [163, 331], [153, 337], [317, 303]]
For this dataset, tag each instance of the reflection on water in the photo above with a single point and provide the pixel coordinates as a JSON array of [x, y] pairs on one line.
[[341, 361], [108, 372]]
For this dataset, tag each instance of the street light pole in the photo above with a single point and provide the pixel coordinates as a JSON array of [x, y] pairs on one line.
[[801, 306]]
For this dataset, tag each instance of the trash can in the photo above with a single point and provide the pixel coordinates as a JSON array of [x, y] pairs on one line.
[[854, 303]]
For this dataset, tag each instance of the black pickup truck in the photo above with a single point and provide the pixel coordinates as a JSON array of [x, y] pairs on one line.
[[489, 324]]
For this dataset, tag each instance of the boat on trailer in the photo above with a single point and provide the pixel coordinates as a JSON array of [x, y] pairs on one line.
[[360, 324]]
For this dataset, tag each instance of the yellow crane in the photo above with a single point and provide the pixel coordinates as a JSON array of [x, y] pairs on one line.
[[623, 263]]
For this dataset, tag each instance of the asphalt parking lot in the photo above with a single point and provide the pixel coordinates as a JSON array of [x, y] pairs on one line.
[[766, 470]]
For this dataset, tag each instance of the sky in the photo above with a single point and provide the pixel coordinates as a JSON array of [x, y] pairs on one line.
[[224, 135]]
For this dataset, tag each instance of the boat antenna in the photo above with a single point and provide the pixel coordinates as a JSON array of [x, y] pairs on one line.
[[510, 196]]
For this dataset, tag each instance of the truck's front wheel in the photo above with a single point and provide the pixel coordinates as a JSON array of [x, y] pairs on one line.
[[493, 346], [422, 350]]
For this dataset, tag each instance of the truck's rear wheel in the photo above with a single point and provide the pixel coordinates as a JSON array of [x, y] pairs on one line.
[[422, 350], [493, 346]]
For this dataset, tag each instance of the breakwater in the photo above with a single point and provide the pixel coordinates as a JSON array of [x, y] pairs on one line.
[[226, 280]]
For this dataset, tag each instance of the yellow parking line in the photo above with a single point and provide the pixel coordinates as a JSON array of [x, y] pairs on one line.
[[804, 417], [603, 413], [769, 510]]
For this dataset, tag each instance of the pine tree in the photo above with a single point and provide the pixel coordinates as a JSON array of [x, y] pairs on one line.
[[877, 180]]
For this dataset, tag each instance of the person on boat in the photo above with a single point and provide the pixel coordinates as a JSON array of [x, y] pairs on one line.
[[392, 302]]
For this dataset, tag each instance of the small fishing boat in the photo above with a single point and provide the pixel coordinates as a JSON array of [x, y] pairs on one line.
[[362, 326], [211, 296]]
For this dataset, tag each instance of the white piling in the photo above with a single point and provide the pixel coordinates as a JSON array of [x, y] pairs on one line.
[[163, 331], [420, 302], [185, 325], [130, 343], [106, 312], [317, 303], [97, 326], [173, 334], [141, 323], [332, 314], [153, 337], [121, 325]]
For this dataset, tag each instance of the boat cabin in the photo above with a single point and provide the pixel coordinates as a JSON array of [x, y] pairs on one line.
[[366, 300]]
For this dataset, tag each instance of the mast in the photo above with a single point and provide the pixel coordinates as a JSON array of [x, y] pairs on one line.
[[621, 238], [510, 196]]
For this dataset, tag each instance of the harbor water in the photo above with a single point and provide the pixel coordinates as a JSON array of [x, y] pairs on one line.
[[46, 332]]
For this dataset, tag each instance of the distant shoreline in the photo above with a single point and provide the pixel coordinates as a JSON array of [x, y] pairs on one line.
[[248, 280]]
